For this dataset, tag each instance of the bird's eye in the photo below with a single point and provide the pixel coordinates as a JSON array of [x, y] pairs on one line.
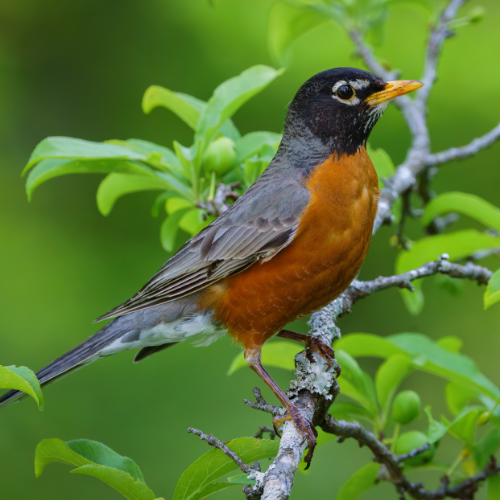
[[345, 92]]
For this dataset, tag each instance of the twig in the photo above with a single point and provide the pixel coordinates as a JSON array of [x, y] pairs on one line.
[[369, 58], [361, 289], [394, 473], [217, 443], [465, 151], [414, 453], [263, 429], [438, 35], [261, 404]]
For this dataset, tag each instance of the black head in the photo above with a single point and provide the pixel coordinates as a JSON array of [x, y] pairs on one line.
[[335, 110]]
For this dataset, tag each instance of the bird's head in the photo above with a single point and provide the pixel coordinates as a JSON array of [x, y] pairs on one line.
[[338, 108]]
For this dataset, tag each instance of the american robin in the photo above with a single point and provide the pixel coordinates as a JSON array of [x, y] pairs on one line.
[[291, 244]]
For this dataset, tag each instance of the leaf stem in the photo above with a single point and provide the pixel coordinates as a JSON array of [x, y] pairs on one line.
[[455, 464], [211, 194]]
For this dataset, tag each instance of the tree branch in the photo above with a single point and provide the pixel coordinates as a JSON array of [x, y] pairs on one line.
[[361, 289], [394, 473], [465, 151]]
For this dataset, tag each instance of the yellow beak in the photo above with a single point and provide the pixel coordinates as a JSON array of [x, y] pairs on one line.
[[392, 90]]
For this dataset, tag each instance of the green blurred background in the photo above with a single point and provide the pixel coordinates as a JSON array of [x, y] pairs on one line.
[[79, 69]]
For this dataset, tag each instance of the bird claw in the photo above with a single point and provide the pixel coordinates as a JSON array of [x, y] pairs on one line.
[[303, 427], [326, 352]]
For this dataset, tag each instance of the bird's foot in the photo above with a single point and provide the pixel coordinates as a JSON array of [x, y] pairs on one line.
[[303, 427], [326, 352], [314, 344]]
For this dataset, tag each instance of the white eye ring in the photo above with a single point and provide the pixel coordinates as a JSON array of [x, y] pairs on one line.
[[352, 101]]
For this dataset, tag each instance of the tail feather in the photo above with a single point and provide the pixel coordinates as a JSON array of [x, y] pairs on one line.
[[80, 356]]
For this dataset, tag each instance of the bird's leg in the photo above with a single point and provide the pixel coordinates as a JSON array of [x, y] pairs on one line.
[[315, 344], [303, 426]]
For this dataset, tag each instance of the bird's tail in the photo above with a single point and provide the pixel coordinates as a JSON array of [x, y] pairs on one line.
[[80, 356]]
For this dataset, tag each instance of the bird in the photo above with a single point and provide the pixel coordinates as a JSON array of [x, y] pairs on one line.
[[291, 244]]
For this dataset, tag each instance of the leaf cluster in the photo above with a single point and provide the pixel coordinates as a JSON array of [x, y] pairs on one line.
[[182, 174]]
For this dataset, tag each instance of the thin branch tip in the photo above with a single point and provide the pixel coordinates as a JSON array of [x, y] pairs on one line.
[[217, 443]]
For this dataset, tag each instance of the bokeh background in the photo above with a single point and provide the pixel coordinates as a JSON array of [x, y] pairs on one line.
[[79, 69]]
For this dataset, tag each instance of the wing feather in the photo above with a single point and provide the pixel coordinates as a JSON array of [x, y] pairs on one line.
[[258, 225]]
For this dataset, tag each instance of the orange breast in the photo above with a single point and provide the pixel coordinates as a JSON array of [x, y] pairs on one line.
[[316, 267]]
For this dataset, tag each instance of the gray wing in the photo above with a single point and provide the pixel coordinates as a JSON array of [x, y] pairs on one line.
[[259, 223]]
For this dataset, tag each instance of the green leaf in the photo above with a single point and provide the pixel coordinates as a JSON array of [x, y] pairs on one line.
[[492, 294], [95, 459], [279, 354], [184, 156], [362, 480], [367, 344], [252, 143], [159, 96], [193, 221], [167, 156], [156, 156], [383, 164], [426, 356], [160, 201], [252, 168], [457, 397], [101, 454], [287, 23], [185, 106], [48, 169], [82, 452], [356, 383], [230, 96], [430, 357], [79, 149], [22, 379], [115, 185], [436, 429], [197, 481], [388, 378], [464, 204], [457, 245], [196, 152], [488, 446], [170, 228], [179, 186], [175, 203], [56, 450], [463, 426], [130, 488]]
